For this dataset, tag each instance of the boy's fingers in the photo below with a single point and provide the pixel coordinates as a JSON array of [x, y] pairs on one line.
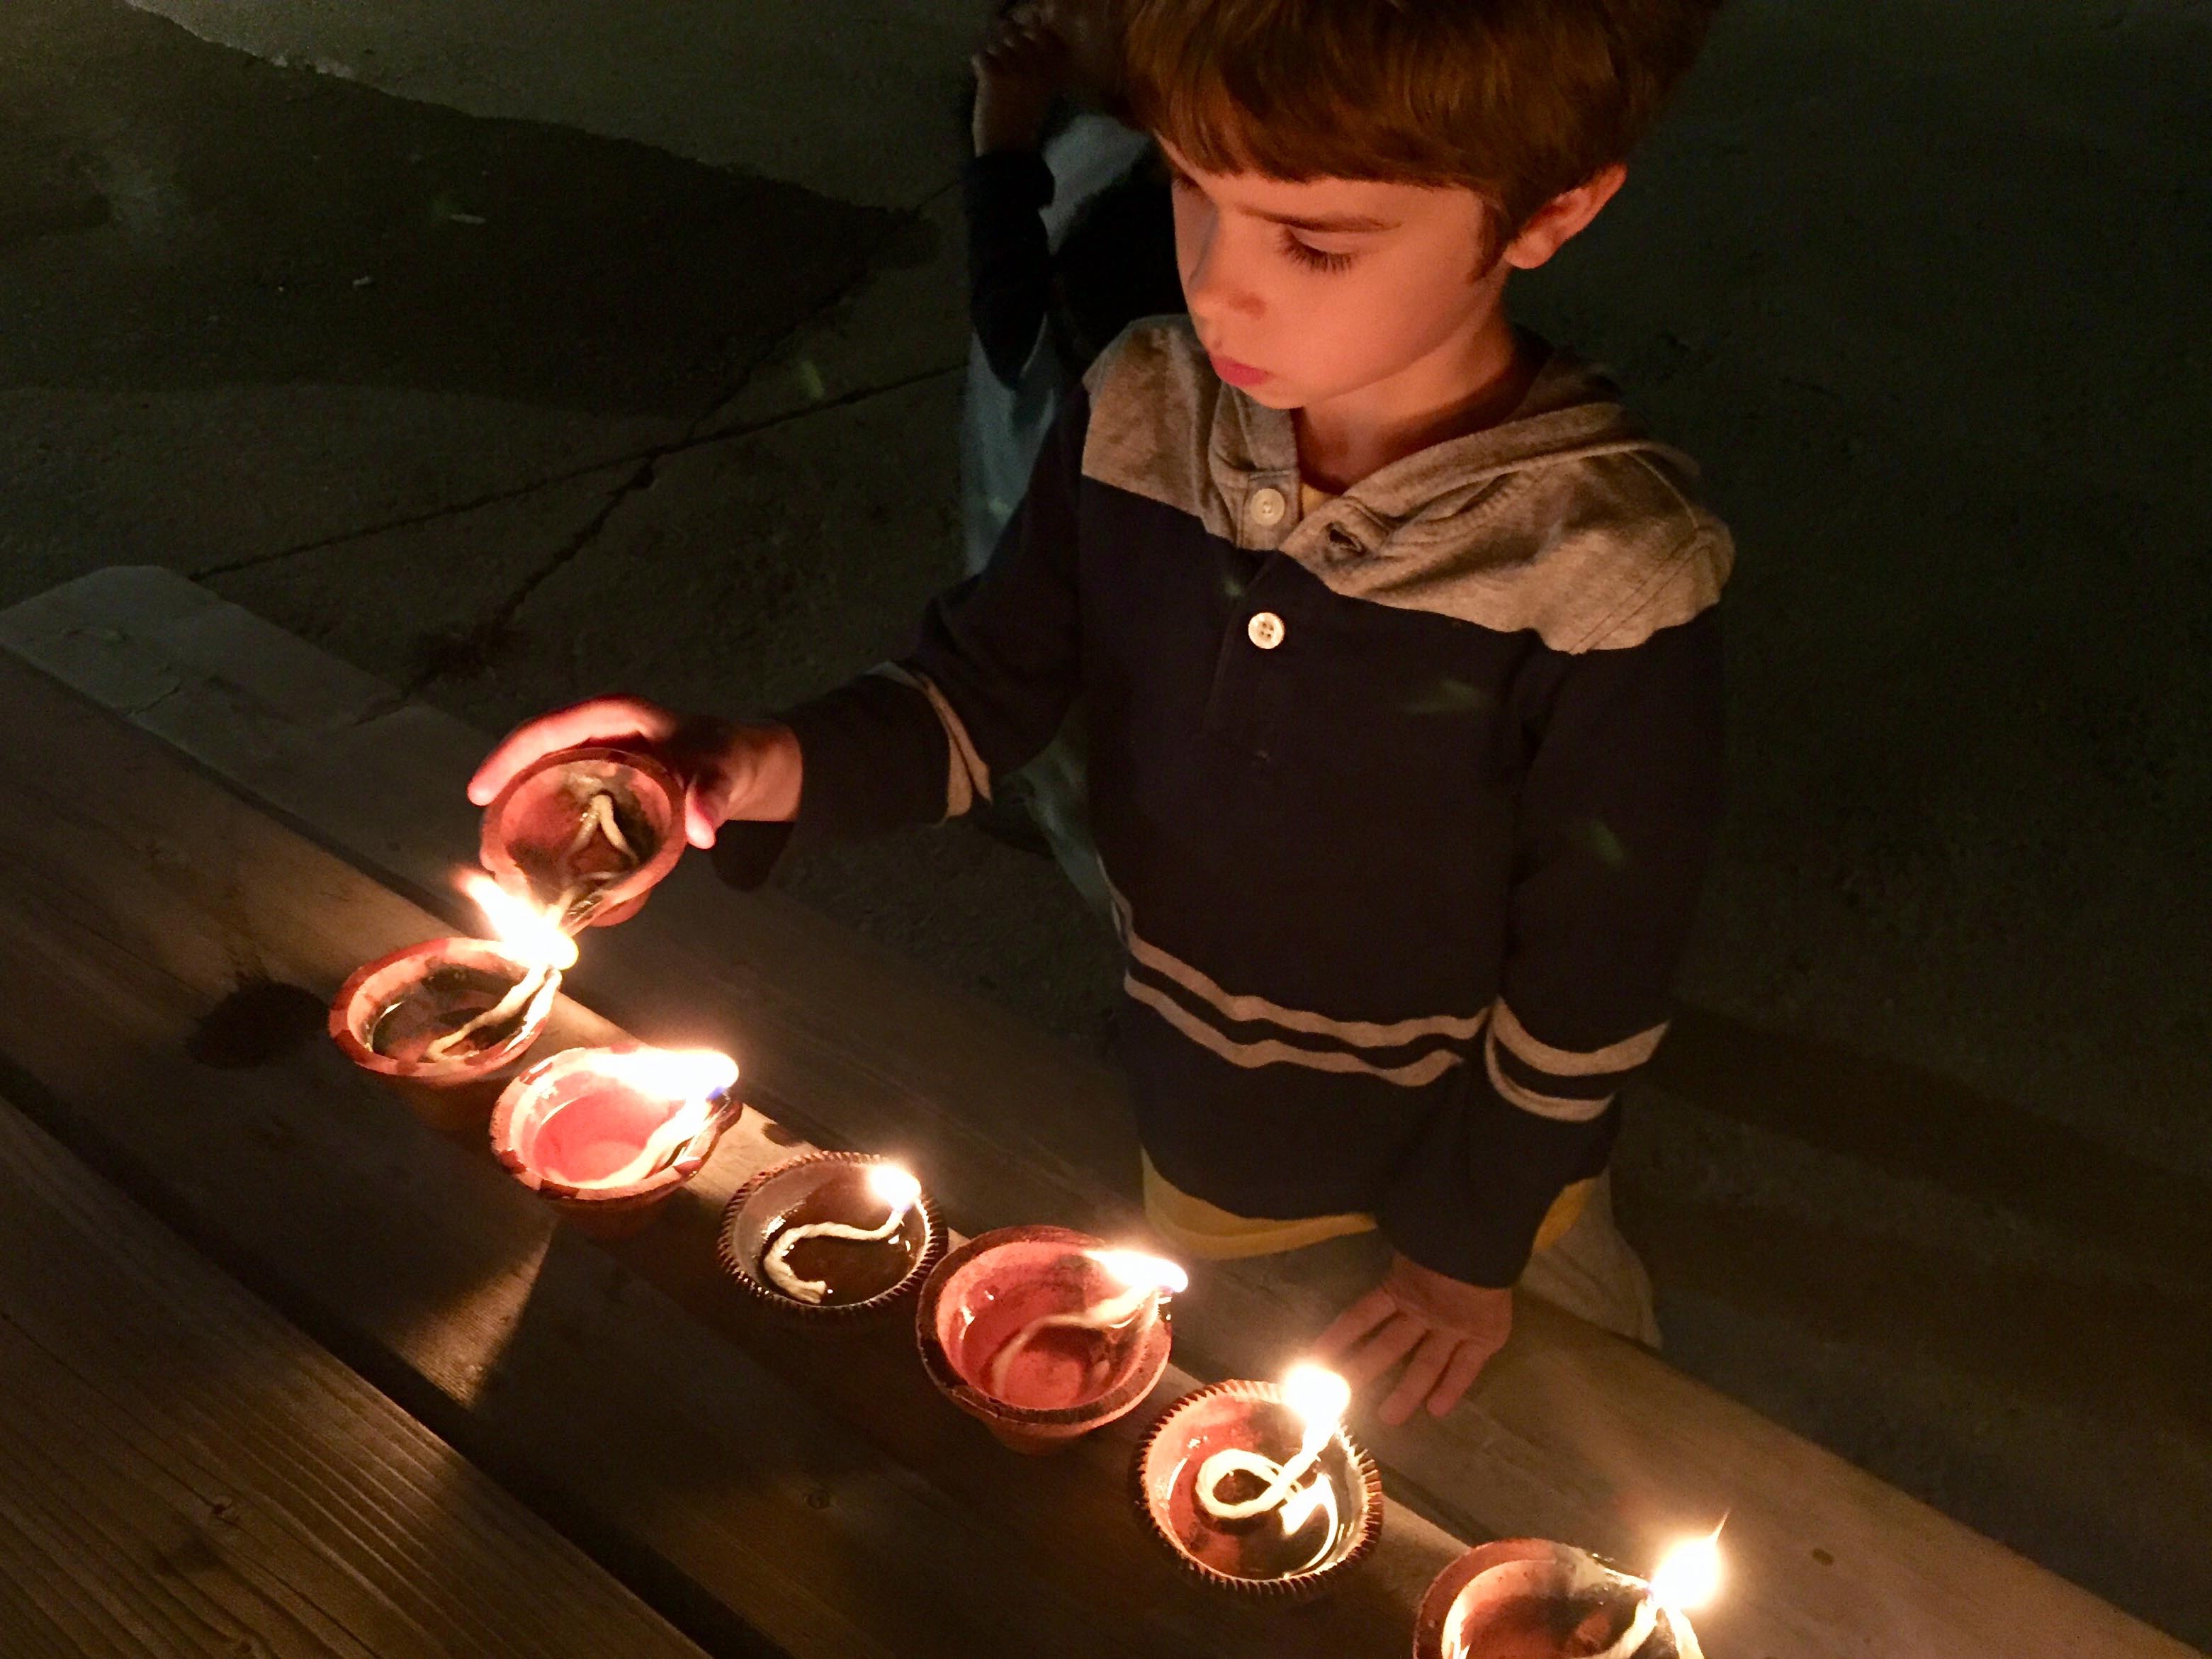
[[707, 804], [1354, 1323], [601, 720], [1383, 1350], [1420, 1376], [701, 819], [1459, 1377]]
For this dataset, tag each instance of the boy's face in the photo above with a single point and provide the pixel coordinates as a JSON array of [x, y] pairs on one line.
[[1323, 314]]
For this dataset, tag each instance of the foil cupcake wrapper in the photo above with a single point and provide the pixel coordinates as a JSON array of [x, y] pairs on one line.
[[822, 1315], [1291, 1587], [1571, 1565]]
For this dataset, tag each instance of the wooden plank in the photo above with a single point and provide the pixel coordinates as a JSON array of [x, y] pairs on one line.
[[136, 893], [1571, 1434], [182, 1472]]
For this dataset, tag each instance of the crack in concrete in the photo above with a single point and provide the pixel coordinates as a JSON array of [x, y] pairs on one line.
[[412, 520], [691, 441], [701, 431], [475, 644]]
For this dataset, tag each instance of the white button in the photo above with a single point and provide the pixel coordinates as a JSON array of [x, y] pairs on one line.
[[1265, 630], [1267, 506]]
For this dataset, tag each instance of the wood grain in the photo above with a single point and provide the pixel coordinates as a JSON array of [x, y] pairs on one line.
[[181, 1473], [1572, 1433], [825, 1496]]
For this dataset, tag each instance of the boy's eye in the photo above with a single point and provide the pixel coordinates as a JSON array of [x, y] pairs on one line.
[[1313, 259]]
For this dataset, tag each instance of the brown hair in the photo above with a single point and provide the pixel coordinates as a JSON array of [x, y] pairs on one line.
[[1515, 100]]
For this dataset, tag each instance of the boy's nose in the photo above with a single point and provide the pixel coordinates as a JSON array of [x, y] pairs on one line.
[[1212, 289]]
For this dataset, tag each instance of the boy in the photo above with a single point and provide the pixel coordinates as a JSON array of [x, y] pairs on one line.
[[1396, 642]]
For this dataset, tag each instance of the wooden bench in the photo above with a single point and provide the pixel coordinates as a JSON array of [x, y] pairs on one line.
[[1572, 1433], [183, 1474], [741, 1478]]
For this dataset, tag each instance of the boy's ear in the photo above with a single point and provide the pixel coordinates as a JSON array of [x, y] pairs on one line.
[[1556, 223]]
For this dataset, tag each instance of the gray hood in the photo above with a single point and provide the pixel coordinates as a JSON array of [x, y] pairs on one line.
[[1566, 518]]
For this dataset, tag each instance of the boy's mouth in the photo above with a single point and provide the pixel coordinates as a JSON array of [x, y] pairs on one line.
[[1235, 373]]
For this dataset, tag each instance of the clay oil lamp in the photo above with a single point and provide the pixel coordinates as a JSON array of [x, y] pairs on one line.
[[451, 1018], [1256, 1489], [1044, 1333], [610, 1134], [584, 833], [1525, 1598], [829, 1238]]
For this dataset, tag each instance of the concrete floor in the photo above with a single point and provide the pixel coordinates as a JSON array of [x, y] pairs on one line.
[[517, 352]]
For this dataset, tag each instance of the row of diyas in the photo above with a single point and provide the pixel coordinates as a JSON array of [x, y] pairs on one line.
[[1043, 1334]]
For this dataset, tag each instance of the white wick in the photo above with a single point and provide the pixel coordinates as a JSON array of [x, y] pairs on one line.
[[699, 1080], [1644, 1620], [1148, 1277], [895, 1187], [600, 816], [520, 1002], [586, 891], [1687, 1576], [1319, 1396]]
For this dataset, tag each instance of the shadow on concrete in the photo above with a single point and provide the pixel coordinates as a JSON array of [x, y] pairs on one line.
[[176, 213]]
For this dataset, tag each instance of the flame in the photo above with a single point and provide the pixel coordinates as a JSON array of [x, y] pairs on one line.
[[1134, 1267], [531, 932], [894, 1187], [696, 1076], [1689, 1575], [1317, 1394]]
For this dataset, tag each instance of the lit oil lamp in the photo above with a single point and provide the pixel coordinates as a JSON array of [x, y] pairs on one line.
[[1525, 1598], [450, 1017], [585, 833], [608, 1134], [1255, 1488], [1044, 1333], [827, 1237]]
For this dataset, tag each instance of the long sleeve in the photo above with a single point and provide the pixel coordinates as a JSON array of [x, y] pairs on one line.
[[1009, 256], [986, 685], [1620, 799]]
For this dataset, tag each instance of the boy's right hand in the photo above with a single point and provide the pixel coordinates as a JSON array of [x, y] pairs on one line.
[[1022, 64], [730, 769]]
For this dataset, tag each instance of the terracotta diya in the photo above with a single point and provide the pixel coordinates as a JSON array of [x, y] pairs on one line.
[[1256, 1489], [449, 1019], [1527, 1598], [610, 1134], [585, 833], [1044, 1333], [827, 1238]]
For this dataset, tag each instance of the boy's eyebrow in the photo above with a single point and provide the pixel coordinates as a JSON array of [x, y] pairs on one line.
[[1325, 224], [1335, 222]]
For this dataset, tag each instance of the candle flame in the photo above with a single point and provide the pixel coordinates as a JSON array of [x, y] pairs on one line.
[[1317, 1394], [894, 1186], [1134, 1267], [697, 1076], [697, 1080], [1689, 1575], [530, 931]]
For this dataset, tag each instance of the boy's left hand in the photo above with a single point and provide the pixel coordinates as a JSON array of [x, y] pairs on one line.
[[1443, 1330]]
